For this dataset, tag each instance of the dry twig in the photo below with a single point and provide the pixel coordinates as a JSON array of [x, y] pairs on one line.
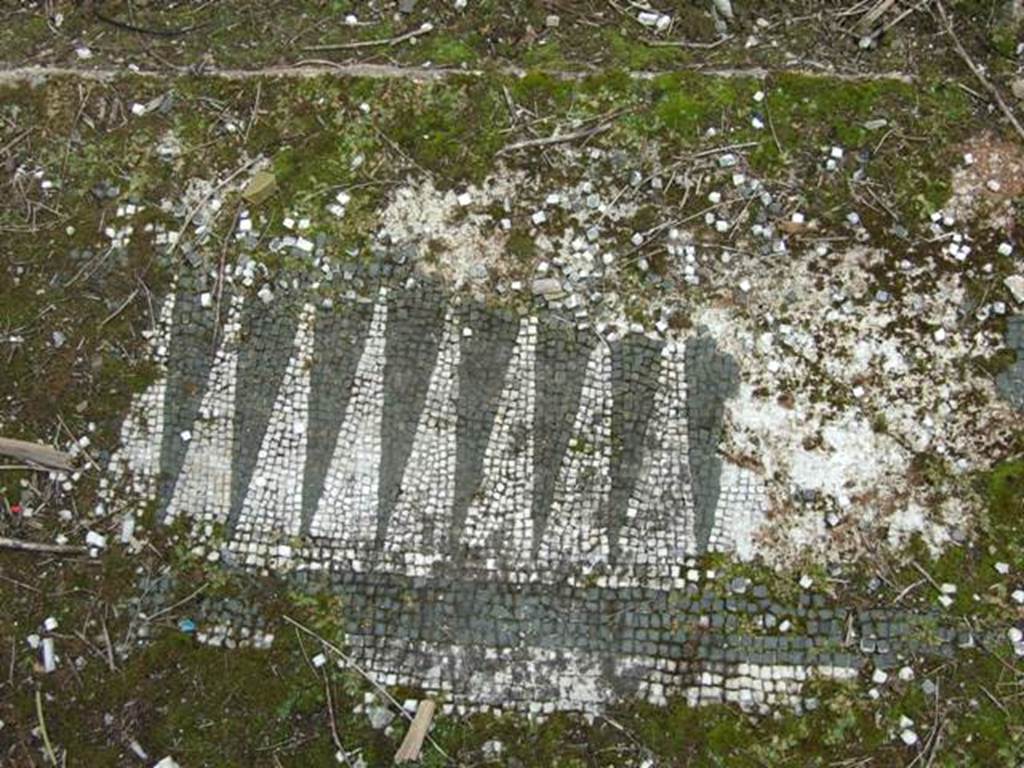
[[604, 123], [145, 30], [123, 306], [209, 196], [977, 72], [42, 728], [335, 736], [688, 44], [548, 141], [163, 611], [349, 661], [412, 34], [867, 21], [903, 15]]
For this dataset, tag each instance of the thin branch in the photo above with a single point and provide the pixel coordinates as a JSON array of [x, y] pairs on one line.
[[334, 725], [178, 604], [424, 29], [721, 150], [349, 661], [875, 13], [24, 134], [121, 308], [21, 584], [907, 590], [920, 569], [42, 727], [145, 30], [902, 16], [209, 196], [688, 44], [976, 71], [563, 138], [106, 639]]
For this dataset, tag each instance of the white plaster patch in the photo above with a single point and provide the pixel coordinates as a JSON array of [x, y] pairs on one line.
[[473, 243]]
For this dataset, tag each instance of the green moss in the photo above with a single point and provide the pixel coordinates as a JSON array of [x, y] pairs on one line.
[[628, 53], [546, 55], [1005, 39], [520, 246], [1005, 492], [541, 91], [451, 130], [681, 112], [686, 105], [799, 100], [449, 51], [997, 362], [981, 589]]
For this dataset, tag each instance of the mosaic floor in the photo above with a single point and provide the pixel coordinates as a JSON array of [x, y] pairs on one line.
[[509, 506], [541, 648], [404, 435]]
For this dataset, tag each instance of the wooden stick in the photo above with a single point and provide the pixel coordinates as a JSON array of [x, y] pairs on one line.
[[121, 308], [722, 150], [106, 639], [168, 609], [36, 546], [20, 584], [43, 455], [920, 569], [366, 676], [412, 744], [902, 16]]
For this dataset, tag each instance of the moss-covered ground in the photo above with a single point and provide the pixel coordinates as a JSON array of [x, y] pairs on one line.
[[588, 35], [211, 707]]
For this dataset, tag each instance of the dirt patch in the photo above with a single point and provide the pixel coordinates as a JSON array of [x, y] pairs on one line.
[[990, 180]]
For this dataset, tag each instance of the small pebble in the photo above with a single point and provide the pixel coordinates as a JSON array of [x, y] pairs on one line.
[[908, 737]]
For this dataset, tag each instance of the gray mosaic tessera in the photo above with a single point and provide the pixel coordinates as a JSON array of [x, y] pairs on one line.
[[509, 506]]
